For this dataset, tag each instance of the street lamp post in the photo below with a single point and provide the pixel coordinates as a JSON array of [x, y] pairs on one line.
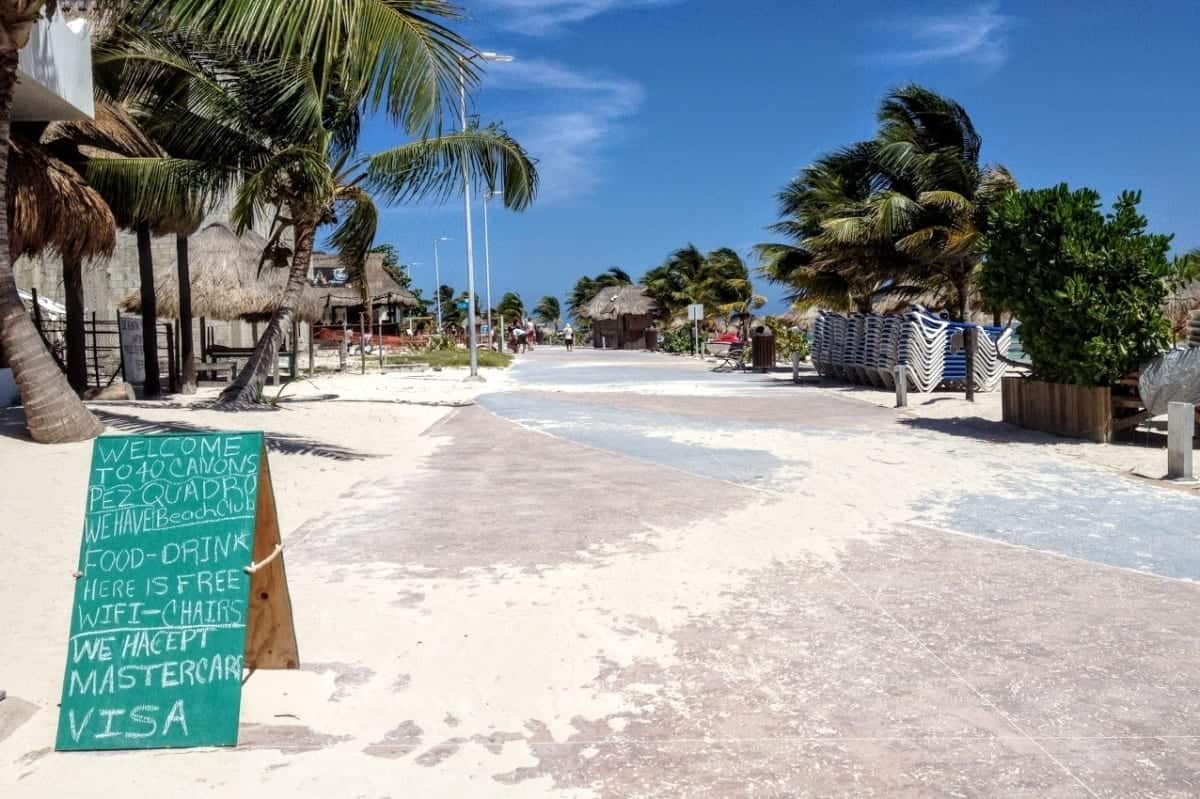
[[462, 118], [487, 260], [437, 281]]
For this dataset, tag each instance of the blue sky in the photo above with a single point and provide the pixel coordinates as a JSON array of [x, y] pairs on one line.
[[662, 122]]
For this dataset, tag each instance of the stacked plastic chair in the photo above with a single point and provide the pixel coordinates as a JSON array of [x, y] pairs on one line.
[[867, 348]]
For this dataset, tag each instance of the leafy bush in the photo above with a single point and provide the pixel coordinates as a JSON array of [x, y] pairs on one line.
[[677, 340], [439, 342], [788, 339], [1088, 288]]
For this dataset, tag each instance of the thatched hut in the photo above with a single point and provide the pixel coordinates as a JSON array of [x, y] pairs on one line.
[[227, 283], [620, 316]]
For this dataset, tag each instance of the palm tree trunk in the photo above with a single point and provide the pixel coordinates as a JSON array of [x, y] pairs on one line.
[[53, 412], [962, 293], [76, 336], [188, 368], [246, 390], [152, 388]]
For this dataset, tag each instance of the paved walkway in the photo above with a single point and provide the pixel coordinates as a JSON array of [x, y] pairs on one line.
[[628, 576], [716, 585]]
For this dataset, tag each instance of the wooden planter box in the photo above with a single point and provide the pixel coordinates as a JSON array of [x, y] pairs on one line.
[[1058, 408]]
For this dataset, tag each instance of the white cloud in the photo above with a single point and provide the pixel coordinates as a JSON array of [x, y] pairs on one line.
[[541, 17], [978, 35], [579, 116]]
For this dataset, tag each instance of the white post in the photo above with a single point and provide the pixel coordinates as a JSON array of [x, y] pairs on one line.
[[487, 268], [1181, 428], [901, 375], [472, 341]]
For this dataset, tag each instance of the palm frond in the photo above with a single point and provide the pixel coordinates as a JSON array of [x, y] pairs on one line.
[[433, 168]]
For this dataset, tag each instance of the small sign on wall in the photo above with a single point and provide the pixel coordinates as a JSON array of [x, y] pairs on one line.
[[133, 359]]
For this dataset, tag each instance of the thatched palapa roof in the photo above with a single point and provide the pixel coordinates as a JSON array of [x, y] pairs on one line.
[[612, 302], [227, 284]]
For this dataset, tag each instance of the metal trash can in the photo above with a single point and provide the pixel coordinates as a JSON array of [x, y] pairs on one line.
[[762, 350], [651, 339]]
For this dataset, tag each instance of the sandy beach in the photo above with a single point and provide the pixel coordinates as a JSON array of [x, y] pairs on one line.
[[552, 585]]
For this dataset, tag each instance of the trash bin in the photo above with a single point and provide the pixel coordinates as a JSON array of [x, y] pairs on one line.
[[762, 350], [651, 339]]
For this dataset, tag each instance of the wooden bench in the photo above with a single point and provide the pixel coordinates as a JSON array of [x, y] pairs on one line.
[[224, 357]]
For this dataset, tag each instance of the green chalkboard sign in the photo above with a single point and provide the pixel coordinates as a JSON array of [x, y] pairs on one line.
[[162, 595]]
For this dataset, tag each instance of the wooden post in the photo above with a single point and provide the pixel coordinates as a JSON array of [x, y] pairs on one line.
[[311, 336], [970, 341], [204, 342], [1181, 428], [37, 311], [172, 374], [120, 349], [342, 346], [362, 343], [295, 344]]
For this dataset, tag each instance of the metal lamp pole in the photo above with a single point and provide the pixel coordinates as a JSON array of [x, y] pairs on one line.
[[437, 281], [466, 173], [487, 260]]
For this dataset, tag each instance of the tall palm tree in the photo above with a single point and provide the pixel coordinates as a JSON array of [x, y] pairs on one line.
[[718, 280], [511, 306], [549, 311], [929, 149], [837, 256], [289, 125], [117, 156], [53, 412]]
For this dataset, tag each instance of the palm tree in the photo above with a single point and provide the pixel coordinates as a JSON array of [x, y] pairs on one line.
[[53, 412], [929, 149], [117, 156], [718, 280], [548, 311], [43, 192], [289, 125], [836, 257], [511, 306]]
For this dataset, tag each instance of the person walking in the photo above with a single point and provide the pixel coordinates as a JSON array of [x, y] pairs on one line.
[[569, 337], [518, 336], [530, 334]]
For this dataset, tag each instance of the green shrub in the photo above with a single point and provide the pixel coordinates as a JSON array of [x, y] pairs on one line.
[[439, 341], [788, 339], [676, 340], [1087, 288]]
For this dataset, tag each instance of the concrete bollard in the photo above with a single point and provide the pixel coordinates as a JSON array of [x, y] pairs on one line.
[[1181, 427], [901, 375], [795, 367]]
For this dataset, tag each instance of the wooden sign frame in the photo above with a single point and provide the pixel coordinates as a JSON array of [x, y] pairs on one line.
[[270, 630]]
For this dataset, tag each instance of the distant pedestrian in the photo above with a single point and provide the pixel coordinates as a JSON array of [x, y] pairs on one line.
[[518, 336], [569, 337], [530, 334]]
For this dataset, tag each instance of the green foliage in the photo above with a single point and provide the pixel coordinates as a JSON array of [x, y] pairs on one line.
[[548, 310], [1088, 288], [676, 340], [788, 339], [440, 343], [453, 357], [511, 307], [718, 280], [900, 215]]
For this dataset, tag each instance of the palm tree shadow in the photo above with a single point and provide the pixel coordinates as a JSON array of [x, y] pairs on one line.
[[285, 443]]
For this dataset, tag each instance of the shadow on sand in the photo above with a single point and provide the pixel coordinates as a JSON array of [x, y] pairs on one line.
[[12, 425]]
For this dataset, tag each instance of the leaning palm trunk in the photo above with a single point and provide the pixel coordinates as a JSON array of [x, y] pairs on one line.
[[188, 355], [246, 390], [53, 412]]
